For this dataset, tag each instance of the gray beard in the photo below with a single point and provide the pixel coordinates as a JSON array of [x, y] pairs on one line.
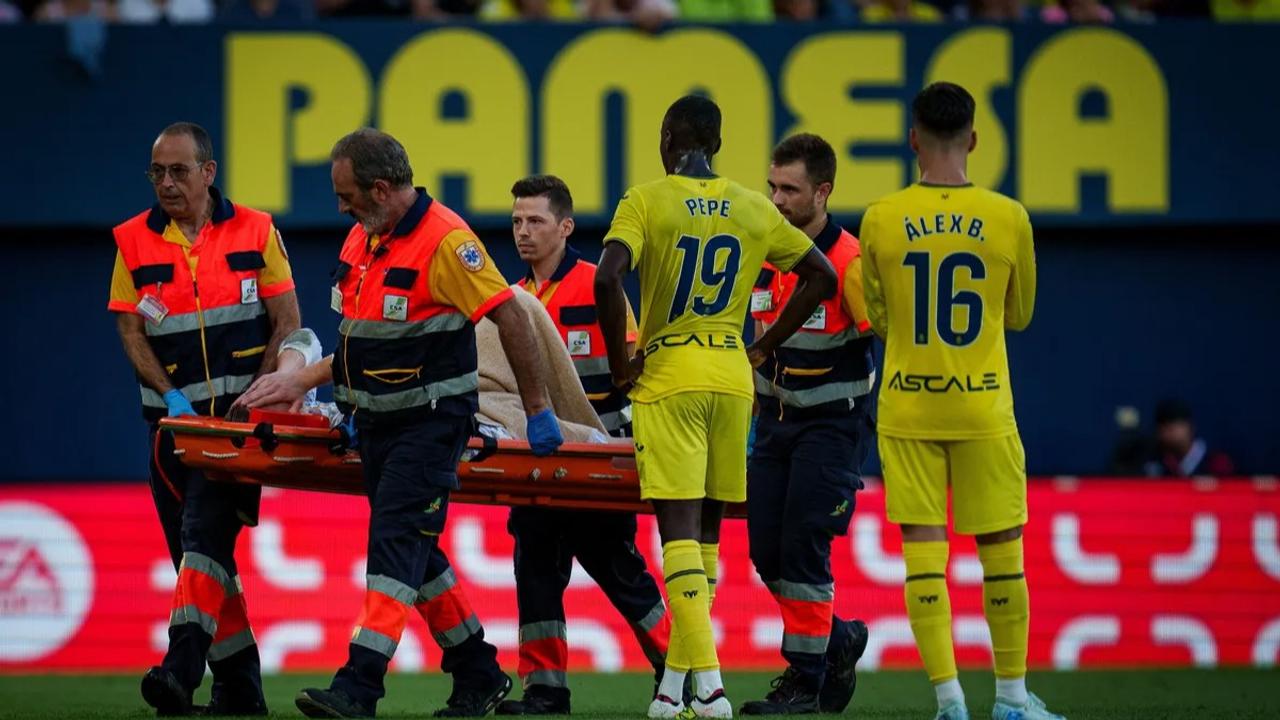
[[374, 222]]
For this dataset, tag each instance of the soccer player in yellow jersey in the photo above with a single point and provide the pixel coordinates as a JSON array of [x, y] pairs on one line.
[[947, 268], [698, 242]]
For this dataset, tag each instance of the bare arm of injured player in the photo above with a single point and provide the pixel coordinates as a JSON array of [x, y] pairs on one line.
[[287, 386], [298, 350], [817, 282]]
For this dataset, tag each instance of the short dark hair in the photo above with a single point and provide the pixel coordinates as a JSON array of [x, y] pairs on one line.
[[943, 109], [550, 187], [198, 135], [816, 154], [1171, 410], [694, 124], [374, 156]]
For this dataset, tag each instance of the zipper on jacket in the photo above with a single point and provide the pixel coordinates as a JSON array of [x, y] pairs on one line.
[[204, 348]]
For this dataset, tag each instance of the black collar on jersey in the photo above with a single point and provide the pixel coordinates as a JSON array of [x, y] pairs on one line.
[[828, 237], [223, 210], [567, 263], [943, 185], [413, 216]]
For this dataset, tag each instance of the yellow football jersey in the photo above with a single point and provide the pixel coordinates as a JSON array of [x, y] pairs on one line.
[[698, 244], [945, 271]]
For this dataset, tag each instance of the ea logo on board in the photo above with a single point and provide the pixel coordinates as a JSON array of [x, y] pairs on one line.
[[46, 581]]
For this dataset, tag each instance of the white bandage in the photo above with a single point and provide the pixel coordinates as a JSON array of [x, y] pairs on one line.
[[304, 342]]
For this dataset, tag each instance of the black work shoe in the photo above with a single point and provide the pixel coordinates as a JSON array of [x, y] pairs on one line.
[[475, 700], [225, 704], [840, 680], [792, 694], [162, 691], [537, 700], [317, 703]]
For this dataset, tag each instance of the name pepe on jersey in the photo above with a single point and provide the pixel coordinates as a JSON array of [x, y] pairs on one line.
[[707, 206]]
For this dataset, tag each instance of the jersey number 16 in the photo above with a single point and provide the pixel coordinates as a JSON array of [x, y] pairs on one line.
[[947, 297]]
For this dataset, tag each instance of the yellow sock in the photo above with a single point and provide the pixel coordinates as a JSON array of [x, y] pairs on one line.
[[677, 658], [1007, 606], [711, 563], [687, 592], [929, 607]]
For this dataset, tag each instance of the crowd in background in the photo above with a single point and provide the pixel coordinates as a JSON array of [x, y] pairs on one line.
[[644, 13]]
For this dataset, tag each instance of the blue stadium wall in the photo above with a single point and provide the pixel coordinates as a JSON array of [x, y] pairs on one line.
[[1135, 150]]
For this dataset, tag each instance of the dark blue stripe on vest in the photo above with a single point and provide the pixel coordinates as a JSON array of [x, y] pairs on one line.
[[220, 342], [441, 356]]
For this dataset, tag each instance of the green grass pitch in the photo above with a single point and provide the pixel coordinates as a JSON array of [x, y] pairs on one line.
[[1100, 695]]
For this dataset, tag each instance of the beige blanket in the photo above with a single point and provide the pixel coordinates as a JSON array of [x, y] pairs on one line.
[[499, 396]]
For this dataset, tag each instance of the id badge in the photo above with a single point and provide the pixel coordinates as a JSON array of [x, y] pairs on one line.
[[395, 307], [335, 299], [151, 308], [579, 343], [761, 301], [818, 320], [248, 291]]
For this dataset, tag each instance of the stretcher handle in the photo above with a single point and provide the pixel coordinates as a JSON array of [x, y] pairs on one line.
[[488, 446], [213, 427]]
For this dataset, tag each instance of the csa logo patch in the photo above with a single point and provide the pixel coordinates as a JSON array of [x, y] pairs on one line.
[[471, 256]]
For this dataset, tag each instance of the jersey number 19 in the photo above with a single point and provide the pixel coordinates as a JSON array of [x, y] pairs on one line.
[[719, 282]]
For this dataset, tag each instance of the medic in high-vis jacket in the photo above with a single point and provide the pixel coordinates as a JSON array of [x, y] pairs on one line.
[[203, 297], [812, 436], [411, 282], [548, 540]]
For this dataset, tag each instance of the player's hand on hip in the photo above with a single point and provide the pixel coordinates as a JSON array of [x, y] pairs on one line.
[[543, 431], [277, 388], [756, 356], [632, 372]]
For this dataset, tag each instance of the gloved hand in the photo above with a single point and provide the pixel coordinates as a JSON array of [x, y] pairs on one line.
[[178, 403], [544, 433], [353, 436], [751, 434]]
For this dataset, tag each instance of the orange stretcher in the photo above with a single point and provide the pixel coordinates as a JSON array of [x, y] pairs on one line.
[[579, 476]]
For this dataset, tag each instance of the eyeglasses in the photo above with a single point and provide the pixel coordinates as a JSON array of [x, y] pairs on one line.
[[156, 173]]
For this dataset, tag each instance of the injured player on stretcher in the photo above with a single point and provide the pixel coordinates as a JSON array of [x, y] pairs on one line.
[[501, 414]]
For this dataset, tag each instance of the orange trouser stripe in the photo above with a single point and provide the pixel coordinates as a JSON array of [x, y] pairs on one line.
[[805, 617], [446, 610], [546, 654], [383, 614], [203, 591], [234, 617]]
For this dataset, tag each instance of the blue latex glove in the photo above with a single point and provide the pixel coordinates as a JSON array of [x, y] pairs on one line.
[[544, 433], [178, 403], [349, 424], [751, 434]]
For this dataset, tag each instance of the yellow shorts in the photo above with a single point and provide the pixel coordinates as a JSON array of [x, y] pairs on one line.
[[692, 445], [987, 477]]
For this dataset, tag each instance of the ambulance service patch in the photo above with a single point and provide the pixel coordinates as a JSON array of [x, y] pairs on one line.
[[471, 256]]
